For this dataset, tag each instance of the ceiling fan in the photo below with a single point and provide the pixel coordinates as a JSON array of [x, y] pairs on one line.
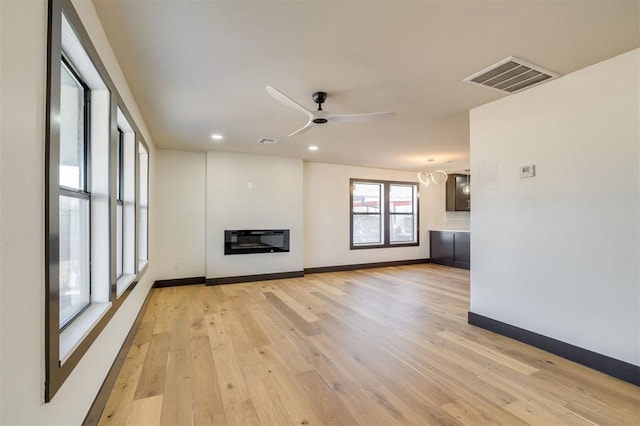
[[320, 116]]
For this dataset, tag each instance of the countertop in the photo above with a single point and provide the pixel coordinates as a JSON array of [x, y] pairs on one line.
[[451, 230]]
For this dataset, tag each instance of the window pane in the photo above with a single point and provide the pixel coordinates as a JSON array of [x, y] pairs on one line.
[[71, 131], [402, 228], [142, 248], [367, 229], [119, 240], [119, 162], [143, 232], [74, 257], [367, 197], [401, 198]]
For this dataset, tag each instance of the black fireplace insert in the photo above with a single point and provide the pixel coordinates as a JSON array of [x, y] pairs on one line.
[[244, 241]]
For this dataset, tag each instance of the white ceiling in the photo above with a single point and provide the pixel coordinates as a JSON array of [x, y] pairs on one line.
[[201, 67]]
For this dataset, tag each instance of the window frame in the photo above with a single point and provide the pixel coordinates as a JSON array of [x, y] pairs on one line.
[[385, 214], [141, 263], [80, 334], [380, 213], [86, 171], [414, 213], [119, 190], [84, 192]]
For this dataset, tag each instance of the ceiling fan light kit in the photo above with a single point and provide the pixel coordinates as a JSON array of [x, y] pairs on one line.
[[320, 116]]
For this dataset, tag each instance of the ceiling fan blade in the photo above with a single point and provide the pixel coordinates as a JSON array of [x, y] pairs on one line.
[[287, 101], [302, 129], [359, 118]]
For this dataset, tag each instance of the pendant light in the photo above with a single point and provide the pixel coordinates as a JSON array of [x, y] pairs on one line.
[[466, 189], [438, 177]]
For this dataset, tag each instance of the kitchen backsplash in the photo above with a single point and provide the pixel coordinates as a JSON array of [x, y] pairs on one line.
[[457, 220]]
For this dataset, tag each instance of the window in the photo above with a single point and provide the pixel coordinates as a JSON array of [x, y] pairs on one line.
[[402, 213], [368, 222], [143, 190], [383, 214], [91, 205], [126, 203], [74, 95], [74, 197], [119, 204]]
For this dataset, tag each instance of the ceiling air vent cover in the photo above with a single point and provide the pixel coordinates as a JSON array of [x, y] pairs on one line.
[[268, 141], [511, 75]]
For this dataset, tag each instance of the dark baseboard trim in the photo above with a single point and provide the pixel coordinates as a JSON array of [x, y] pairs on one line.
[[611, 366], [452, 264], [179, 281], [341, 268], [250, 278], [100, 401], [298, 274]]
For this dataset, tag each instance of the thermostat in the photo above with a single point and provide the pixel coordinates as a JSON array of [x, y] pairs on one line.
[[527, 171]]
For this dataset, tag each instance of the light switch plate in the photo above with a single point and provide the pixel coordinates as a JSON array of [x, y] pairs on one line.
[[527, 171]]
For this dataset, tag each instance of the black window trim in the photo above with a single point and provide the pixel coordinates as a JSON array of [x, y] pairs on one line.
[[385, 214], [139, 204], [413, 213], [119, 189], [86, 161], [119, 166], [85, 192], [55, 372], [380, 213]]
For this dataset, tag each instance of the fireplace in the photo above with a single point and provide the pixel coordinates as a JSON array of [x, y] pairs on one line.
[[246, 241]]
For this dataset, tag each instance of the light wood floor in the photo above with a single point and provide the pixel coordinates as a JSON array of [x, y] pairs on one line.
[[373, 347]]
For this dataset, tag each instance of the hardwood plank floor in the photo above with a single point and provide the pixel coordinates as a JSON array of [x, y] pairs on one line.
[[370, 347]]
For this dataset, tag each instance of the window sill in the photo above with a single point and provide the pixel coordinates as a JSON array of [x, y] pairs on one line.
[[389, 245], [75, 333], [123, 283]]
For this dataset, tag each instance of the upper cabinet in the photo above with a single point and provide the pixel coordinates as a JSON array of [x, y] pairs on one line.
[[457, 200]]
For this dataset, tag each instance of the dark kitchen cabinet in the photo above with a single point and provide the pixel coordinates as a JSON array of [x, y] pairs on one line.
[[441, 246], [451, 248], [457, 200], [462, 249]]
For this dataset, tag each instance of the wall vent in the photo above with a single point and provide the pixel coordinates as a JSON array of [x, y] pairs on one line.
[[268, 141], [511, 75]]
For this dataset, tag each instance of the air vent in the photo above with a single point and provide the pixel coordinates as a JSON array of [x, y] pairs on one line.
[[511, 75], [268, 141]]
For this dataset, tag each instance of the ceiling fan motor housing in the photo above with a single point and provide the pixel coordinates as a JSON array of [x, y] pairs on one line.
[[319, 98]]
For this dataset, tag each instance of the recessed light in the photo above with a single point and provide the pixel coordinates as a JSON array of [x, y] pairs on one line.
[[313, 148], [216, 137]]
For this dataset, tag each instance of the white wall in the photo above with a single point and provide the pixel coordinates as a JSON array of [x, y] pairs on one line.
[[558, 254], [280, 187], [22, 104], [326, 216], [180, 214], [2, 177], [253, 192]]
